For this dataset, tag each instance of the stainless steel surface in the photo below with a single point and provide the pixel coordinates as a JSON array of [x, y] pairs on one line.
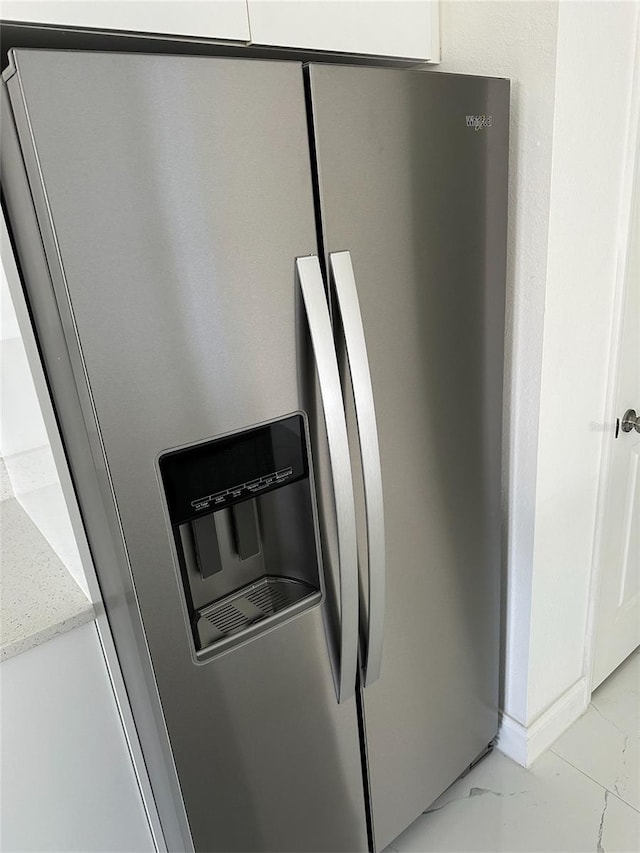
[[356, 349], [418, 198], [630, 421], [71, 407], [270, 600], [321, 333], [172, 195]]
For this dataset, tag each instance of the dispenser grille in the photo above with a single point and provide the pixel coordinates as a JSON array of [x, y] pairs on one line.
[[253, 604], [268, 598], [227, 619]]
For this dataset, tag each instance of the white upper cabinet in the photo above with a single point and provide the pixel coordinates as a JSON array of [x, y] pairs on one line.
[[395, 28], [211, 19]]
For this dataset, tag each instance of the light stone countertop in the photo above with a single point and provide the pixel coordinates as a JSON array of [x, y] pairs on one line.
[[38, 597]]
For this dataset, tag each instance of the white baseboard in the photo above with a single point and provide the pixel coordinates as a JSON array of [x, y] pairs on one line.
[[512, 739], [523, 744]]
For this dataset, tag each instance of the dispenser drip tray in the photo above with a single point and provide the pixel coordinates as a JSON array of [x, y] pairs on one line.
[[251, 610]]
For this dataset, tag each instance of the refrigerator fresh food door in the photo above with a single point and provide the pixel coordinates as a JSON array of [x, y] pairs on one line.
[[412, 185], [173, 196]]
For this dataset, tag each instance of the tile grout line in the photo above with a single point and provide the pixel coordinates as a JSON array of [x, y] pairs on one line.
[[595, 781]]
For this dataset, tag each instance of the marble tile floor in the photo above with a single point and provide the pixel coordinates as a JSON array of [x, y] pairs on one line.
[[581, 795]]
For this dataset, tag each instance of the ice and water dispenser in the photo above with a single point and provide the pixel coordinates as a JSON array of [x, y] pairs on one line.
[[242, 518]]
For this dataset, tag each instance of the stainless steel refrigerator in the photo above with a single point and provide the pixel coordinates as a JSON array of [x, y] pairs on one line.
[[269, 300]]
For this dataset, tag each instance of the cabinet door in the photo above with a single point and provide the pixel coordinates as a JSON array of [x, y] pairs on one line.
[[402, 28], [224, 19], [57, 702]]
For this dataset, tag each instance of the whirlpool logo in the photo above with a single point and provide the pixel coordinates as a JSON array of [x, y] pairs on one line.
[[479, 122]]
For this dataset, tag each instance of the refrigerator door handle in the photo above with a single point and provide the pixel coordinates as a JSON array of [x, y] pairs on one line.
[[349, 307], [317, 312]]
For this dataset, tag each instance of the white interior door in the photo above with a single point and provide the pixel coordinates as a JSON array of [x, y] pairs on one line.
[[618, 608]]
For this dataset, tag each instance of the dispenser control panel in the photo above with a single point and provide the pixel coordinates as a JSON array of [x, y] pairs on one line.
[[240, 490], [219, 473]]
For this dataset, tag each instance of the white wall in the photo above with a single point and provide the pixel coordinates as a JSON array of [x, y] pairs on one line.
[[21, 424], [67, 777], [571, 70]]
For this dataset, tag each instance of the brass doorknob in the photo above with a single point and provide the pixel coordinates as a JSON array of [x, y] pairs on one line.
[[630, 421]]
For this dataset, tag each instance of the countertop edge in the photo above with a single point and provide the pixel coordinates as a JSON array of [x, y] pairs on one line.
[[56, 629]]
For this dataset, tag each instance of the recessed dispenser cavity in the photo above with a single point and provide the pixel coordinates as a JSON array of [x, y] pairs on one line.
[[242, 518]]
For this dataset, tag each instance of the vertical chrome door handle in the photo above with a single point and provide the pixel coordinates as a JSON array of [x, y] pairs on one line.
[[317, 311], [347, 294]]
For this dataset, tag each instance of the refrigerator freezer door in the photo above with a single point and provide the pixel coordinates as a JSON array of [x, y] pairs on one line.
[[173, 195], [413, 173]]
